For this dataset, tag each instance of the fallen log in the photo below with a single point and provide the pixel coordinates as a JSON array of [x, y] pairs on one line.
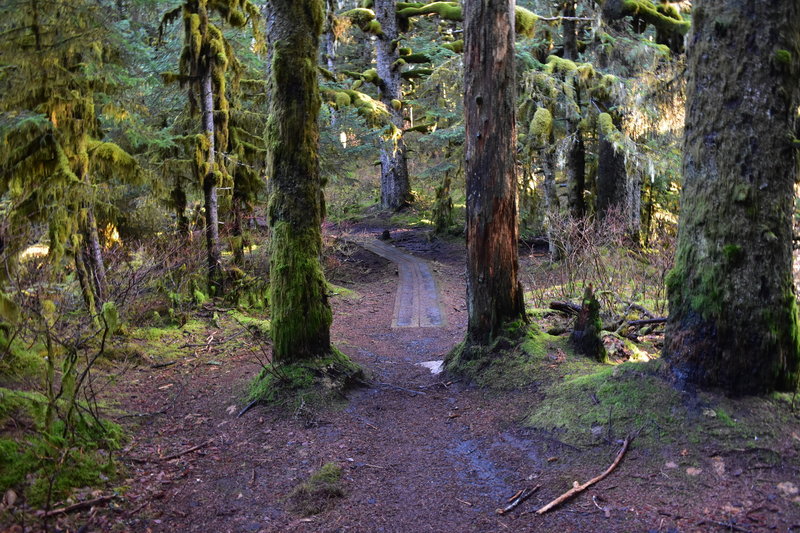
[[567, 308], [577, 489]]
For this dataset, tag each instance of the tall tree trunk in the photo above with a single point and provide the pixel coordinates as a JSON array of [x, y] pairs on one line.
[[576, 152], [179, 204], [551, 203], [570, 33], [395, 186], [210, 188], [301, 314], [95, 254], [330, 45], [494, 293], [237, 239], [575, 164], [612, 177], [733, 319], [617, 192]]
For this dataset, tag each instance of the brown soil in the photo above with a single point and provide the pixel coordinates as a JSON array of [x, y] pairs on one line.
[[418, 452]]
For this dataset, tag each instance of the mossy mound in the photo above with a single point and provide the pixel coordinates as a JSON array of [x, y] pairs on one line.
[[309, 380], [319, 493], [514, 360], [590, 403]]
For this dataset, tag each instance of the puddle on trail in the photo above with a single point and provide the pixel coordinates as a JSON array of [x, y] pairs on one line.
[[435, 367]]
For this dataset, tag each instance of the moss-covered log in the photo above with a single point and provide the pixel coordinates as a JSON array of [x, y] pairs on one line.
[[733, 319], [301, 314], [669, 24]]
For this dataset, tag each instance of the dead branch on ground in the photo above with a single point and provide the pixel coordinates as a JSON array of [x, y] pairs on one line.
[[577, 489]]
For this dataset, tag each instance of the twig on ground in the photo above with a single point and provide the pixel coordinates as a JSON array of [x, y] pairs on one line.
[[184, 452], [247, 408], [80, 505], [727, 525], [517, 499], [576, 489], [398, 387], [162, 365]]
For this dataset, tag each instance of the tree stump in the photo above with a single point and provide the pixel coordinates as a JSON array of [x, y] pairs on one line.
[[585, 335]]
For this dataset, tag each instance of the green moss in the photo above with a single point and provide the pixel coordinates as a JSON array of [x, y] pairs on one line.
[[605, 124], [456, 46], [319, 493], [783, 58], [313, 380], [541, 125], [71, 459], [348, 294], [257, 326], [446, 10], [669, 23], [556, 64], [733, 254], [524, 22], [583, 407], [514, 360]]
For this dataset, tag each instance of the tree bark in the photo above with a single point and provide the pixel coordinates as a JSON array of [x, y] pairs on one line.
[[733, 311], [301, 314], [576, 164], [494, 293], [570, 34], [551, 203], [395, 186], [210, 188], [95, 254], [179, 203]]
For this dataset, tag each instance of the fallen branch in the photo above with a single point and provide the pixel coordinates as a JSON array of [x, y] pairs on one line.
[[660, 320], [517, 499], [577, 489], [184, 452], [80, 505]]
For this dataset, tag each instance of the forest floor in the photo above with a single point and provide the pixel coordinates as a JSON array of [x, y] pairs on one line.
[[419, 451]]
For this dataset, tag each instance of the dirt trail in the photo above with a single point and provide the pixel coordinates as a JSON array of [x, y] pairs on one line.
[[418, 453]]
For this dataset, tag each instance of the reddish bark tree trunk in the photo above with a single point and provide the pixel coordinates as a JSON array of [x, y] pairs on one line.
[[494, 293]]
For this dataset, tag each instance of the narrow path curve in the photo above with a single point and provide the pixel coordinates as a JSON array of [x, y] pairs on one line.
[[417, 304]]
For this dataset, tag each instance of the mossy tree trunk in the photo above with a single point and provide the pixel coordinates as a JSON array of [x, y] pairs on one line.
[[551, 202], [179, 203], [395, 186], [617, 194], [576, 151], [494, 293], [210, 187], [301, 314], [733, 313], [575, 164]]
